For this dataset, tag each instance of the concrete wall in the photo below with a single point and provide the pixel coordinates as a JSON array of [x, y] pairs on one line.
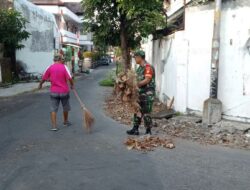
[[182, 61], [176, 5], [39, 48], [199, 33], [169, 57], [235, 60]]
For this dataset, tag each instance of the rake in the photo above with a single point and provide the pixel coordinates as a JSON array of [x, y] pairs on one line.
[[88, 118]]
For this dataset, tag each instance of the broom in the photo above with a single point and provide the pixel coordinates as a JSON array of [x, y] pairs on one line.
[[88, 118]]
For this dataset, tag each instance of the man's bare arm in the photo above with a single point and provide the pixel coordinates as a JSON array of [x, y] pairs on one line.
[[71, 81], [144, 82], [41, 84]]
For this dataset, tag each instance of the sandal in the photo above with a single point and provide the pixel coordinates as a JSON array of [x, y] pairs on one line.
[[67, 124], [54, 129]]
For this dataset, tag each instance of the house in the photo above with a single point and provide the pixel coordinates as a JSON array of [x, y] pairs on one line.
[[69, 19], [39, 48], [182, 58], [53, 25], [68, 15]]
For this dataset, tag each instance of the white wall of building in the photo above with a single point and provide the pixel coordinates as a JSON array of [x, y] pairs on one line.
[[67, 15], [57, 10], [170, 61], [176, 5], [235, 60], [199, 33], [182, 61], [39, 48]]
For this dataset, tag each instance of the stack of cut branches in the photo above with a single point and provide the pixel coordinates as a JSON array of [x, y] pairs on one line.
[[126, 88]]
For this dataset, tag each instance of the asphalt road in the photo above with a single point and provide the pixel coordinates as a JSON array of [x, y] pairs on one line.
[[34, 158]]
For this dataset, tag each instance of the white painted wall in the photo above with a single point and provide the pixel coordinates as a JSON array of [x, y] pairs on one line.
[[182, 61], [176, 5], [235, 61], [39, 48], [57, 10], [147, 47], [168, 85], [170, 61], [199, 33]]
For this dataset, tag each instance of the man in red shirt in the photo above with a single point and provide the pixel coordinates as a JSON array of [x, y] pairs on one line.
[[58, 74]]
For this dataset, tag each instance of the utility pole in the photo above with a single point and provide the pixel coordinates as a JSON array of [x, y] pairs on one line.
[[215, 59], [212, 109]]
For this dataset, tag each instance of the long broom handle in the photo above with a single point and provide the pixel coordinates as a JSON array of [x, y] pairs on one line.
[[79, 99]]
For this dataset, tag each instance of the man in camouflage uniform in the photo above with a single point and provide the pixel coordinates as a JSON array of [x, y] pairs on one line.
[[146, 84]]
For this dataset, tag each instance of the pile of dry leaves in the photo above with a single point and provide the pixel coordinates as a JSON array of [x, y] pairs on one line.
[[148, 143], [122, 111], [118, 110]]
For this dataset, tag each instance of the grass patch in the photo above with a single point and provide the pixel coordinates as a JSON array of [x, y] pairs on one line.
[[178, 114], [109, 80]]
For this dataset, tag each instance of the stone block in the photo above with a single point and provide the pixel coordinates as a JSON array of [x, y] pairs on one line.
[[212, 112]]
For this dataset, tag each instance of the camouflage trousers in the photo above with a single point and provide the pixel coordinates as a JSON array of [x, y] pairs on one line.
[[146, 103]]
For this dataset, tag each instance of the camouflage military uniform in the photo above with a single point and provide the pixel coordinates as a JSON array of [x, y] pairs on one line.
[[146, 96]]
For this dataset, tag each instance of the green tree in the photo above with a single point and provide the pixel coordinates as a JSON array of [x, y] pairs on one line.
[[12, 33], [123, 22]]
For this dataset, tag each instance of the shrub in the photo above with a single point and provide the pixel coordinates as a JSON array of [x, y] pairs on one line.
[[106, 82], [96, 56], [88, 54], [109, 80]]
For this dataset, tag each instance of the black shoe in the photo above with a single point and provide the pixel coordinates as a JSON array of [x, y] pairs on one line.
[[133, 131], [148, 131]]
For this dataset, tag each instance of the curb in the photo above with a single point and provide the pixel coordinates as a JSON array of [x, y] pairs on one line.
[[24, 91]]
